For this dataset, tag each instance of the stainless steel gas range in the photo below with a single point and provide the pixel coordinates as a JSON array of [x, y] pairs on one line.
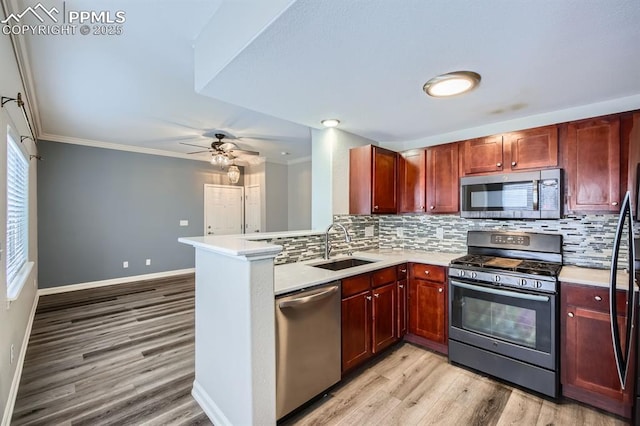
[[503, 312]]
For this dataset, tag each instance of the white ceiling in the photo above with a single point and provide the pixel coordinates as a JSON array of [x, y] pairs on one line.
[[267, 71]]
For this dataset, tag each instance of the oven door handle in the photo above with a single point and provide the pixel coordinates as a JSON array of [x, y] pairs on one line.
[[506, 293], [536, 195]]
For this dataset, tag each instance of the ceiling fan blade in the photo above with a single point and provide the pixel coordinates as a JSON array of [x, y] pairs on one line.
[[244, 152], [199, 152], [192, 144]]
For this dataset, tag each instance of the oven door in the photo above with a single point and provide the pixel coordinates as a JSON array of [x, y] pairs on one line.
[[512, 323]]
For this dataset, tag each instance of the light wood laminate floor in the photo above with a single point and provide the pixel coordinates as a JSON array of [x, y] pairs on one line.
[[123, 355]]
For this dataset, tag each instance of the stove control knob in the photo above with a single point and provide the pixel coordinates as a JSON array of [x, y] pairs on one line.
[[496, 278], [523, 282], [461, 273], [538, 284], [474, 275]]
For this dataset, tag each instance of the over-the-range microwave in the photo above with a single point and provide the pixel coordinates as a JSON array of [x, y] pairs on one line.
[[522, 195]]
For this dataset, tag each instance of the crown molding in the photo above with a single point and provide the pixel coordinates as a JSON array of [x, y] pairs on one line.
[[117, 147]]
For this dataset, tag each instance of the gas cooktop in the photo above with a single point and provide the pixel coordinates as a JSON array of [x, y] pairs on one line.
[[532, 267]]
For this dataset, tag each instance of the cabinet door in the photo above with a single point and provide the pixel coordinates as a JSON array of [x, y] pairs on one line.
[[402, 308], [384, 317], [532, 149], [588, 366], [427, 310], [483, 155], [593, 165], [443, 187], [411, 181], [356, 330], [383, 182]]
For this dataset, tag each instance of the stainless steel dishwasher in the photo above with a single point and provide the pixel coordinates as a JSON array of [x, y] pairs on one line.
[[308, 333]]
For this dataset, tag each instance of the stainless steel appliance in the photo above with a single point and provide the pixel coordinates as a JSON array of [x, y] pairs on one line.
[[308, 336], [523, 195], [503, 314]]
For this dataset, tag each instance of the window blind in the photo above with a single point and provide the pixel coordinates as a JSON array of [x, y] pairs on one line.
[[17, 210]]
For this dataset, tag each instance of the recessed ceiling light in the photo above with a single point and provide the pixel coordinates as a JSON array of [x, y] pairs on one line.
[[330, 122], [451, 84]]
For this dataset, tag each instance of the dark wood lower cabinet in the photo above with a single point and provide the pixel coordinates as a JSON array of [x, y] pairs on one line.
[[402, 308], [588, 367], [356, 330], [428, 307], [384, 317]]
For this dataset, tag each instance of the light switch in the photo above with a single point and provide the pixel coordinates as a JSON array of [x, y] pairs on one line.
[[184, 222], [440, 233], [399, 232]]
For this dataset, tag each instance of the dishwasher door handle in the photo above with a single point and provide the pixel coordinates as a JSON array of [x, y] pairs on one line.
[[307, 299]]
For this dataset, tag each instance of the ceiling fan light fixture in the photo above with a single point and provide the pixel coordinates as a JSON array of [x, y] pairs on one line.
[[451, 84], [233, 173], [330, 122]]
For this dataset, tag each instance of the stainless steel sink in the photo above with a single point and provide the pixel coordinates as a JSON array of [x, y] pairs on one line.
[[340, 264]]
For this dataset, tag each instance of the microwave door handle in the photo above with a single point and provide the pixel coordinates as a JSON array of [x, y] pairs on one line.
[[536, 195]]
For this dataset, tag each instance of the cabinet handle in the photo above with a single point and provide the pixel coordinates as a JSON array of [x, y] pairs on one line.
[[400, 286], [375, 207], [598, 298], [376, 295], [570, 314], [513, 163], [439, 290], [421, 207], [426, 272], [368, 297], [403, 270], [615, 203], [498, 164], [432, 207]]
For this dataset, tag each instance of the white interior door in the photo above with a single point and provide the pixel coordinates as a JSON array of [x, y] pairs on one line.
[[252, 208], [223, 210]]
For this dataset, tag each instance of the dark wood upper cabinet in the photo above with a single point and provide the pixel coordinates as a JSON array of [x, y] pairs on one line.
[[483, 155], [373, 173], [592, 164], [443, 187], [411, 181], [532, 149]]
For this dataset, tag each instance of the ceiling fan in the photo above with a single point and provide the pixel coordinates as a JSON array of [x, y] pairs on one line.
[[222, 153]]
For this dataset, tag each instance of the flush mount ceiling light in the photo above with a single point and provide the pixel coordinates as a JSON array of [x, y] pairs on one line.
[[330, 122], [451, 84]]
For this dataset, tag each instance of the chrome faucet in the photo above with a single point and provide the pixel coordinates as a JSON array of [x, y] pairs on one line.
[[327, 245]]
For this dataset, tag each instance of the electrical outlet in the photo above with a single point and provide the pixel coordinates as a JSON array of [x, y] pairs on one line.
[[399, 232], [368, 231], [440, 233], [125, 264], [12, 354], [147, 262]]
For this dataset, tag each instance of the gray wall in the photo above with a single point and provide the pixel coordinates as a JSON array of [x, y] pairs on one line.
[[276, 197], [99, 207], [299, 196]]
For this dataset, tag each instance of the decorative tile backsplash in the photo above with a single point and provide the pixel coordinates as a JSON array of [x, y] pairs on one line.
[[298, 249], [587, 239]]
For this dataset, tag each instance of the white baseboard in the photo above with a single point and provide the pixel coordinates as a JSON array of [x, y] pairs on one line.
[[114, 281], [209, 407], [13, 391]]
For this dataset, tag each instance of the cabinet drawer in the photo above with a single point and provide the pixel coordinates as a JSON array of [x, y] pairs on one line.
[[383, 276], [428, 272], [354, 285], [590, 297], [402, 271]]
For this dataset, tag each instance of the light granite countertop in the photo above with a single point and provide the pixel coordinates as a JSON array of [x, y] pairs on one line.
[[297, 276]]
